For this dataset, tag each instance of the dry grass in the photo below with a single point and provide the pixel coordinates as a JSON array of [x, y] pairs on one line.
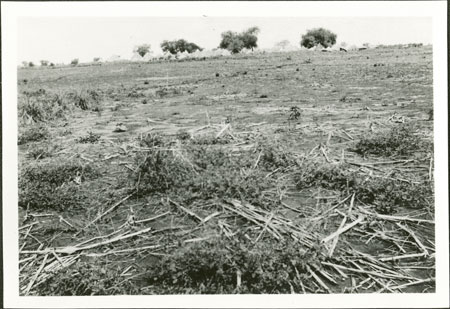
[[214, 189]]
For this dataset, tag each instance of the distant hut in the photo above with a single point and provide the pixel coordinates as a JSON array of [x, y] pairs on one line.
[[291, 48], [225, 52], [200, 54], [207, 53], [114, 58], [156, 56], [167, 56], [196, 54], [319, 47], [147, 57], [216, 52], [182, 55], [333, 48], [136, 57]]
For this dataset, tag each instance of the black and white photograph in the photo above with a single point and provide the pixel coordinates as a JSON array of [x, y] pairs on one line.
[[291, 153]]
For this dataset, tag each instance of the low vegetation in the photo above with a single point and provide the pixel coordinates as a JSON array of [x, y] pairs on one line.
[[34, 133], [401, 140], [90, 138], [387, 195], [87, 279], [42, 105], [199, 173], [56, 185], [209, 192], [233, 267], [43, 150]]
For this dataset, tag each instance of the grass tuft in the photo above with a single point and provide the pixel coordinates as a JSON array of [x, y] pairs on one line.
[[85, 279], [212, 267], [90, 138], [199, 173], [33, 133], [387, 195], [58, 185], [401, 140]]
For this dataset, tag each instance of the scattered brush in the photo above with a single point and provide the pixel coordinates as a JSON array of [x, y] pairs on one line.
[[334, 177], [85, 99], [401, 140], [135, 94], [349, 99], [86, 279], [90, 138], [223, 266], [165, 91], [54, 185], [211, 140], [387, 195], [35, 93], [183, 135], [39, 151], [199, 173], [65, 132], [294, 114], [151, 140], [221, 212], [158, 171], [41, 105], [33, 133], [274, 156]]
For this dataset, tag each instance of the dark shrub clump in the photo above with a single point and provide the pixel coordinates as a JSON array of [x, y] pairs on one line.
[[151, 140], [399, 141], [213, 267], [55, 185], [199, 173], [34, 133], [386, 194], [90, 138]]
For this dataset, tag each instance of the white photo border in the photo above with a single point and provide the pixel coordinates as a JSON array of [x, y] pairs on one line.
[[11, 11]]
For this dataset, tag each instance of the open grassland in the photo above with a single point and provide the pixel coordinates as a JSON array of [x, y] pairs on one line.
[[305, 172]]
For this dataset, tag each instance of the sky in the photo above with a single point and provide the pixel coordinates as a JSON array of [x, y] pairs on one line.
[[60, 40]]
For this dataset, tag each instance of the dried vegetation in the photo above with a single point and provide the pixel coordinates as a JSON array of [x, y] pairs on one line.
[[236, 205]]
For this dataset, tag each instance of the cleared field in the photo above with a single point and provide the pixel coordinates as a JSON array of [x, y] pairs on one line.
[[198, 176]]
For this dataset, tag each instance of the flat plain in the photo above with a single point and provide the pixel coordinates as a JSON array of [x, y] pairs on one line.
[[300, 172]]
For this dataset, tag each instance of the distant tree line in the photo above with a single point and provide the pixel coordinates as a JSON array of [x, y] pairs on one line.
[[233, 41]]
